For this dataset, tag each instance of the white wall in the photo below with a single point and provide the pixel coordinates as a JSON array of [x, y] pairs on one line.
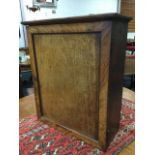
[[131, 35], [67, 8], [22, 39]]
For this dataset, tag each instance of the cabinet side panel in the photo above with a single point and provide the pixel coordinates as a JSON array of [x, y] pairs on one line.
[[68, 71], [116, 69]]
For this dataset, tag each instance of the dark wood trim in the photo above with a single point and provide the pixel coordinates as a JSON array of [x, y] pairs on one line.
[[81, 19], [116, 70]]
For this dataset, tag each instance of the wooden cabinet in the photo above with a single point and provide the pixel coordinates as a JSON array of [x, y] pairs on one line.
[[77, 66]]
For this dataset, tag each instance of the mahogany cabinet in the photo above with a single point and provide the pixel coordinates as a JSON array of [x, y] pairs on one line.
[[78, 66]]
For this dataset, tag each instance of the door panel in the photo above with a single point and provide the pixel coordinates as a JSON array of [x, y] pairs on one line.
[[68, 72]]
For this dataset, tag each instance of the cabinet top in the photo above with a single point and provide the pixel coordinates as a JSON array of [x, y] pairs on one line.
[[79, 19]]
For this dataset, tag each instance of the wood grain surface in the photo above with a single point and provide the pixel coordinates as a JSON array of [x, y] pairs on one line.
[[68, 68]]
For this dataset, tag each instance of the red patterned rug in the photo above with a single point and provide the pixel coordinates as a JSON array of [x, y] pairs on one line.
[[37, 138]]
